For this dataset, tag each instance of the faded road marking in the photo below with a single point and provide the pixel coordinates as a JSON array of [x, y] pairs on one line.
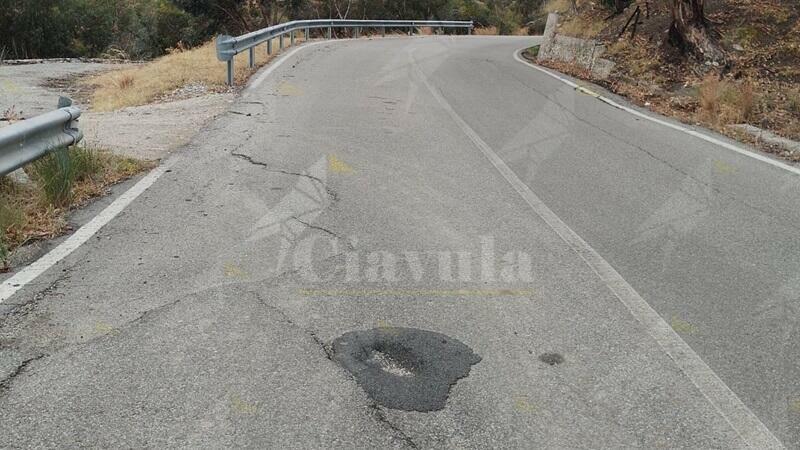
[[336, 165], [289, 90], [587, 91], [682, 326], [232, 271]]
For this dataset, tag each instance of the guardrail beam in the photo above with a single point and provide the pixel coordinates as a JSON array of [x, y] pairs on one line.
[[28, 140], [229, 46]]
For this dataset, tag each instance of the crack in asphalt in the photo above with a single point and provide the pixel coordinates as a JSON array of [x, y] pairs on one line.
[[376, 410], [266, 167], [326, 231], [5, 383], [325, 347], [19, 311], [319, 342], [380, 416], [142, 317]]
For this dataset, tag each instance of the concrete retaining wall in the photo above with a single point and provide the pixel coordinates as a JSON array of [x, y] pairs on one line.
[[582, 52]]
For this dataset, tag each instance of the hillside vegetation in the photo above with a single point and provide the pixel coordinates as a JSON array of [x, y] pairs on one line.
[[752, 74], [143, 29]]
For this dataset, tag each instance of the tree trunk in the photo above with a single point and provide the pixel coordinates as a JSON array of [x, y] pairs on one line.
[[689, 30]]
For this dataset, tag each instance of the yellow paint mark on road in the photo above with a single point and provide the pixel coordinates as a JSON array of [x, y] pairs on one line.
[[794, 406], [233, 271], [682, 326], [336, 165], [242, 407], [724, 168], [522, 404], [587, 91], [289, 90], [9, 86], [104, 328]]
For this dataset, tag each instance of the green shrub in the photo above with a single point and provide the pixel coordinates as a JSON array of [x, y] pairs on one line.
[[505, 20], [55, 174], [85, 163]]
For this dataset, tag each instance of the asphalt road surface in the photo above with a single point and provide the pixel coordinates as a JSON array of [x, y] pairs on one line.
[[536, 258]]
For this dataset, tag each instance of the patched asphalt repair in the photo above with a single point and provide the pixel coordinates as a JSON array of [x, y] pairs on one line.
[[405, 368]]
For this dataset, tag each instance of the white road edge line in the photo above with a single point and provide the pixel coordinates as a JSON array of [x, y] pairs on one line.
[[84, 233], [746, 424], [703, 136], [13, 284], [271, 67]]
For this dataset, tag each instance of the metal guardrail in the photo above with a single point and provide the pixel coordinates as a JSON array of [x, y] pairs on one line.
[[28, 140], [230, 46]]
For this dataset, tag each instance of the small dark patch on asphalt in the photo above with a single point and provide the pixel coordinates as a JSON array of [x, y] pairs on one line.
[[405, 368], [551, 358]]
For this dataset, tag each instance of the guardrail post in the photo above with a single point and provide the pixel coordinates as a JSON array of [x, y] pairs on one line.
[[251, 54], [330, 32], [64, 102], [269, 47], [306, 35], [383, 31], [230, 73], [357, 32], [291, 38], [280, 42]]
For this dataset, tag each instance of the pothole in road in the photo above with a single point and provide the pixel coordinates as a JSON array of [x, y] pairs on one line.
[[551, 358], [404, 368]]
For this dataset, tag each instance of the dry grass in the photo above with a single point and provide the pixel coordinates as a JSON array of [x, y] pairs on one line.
[[636, 59], [148, 82], [709, 96], [31, 212], [793, 101], [579, 26], [10, 115], [724, 102], [125, 81], [485, 31]]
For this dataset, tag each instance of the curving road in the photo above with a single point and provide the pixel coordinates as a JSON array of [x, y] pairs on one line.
[[604, 280]]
